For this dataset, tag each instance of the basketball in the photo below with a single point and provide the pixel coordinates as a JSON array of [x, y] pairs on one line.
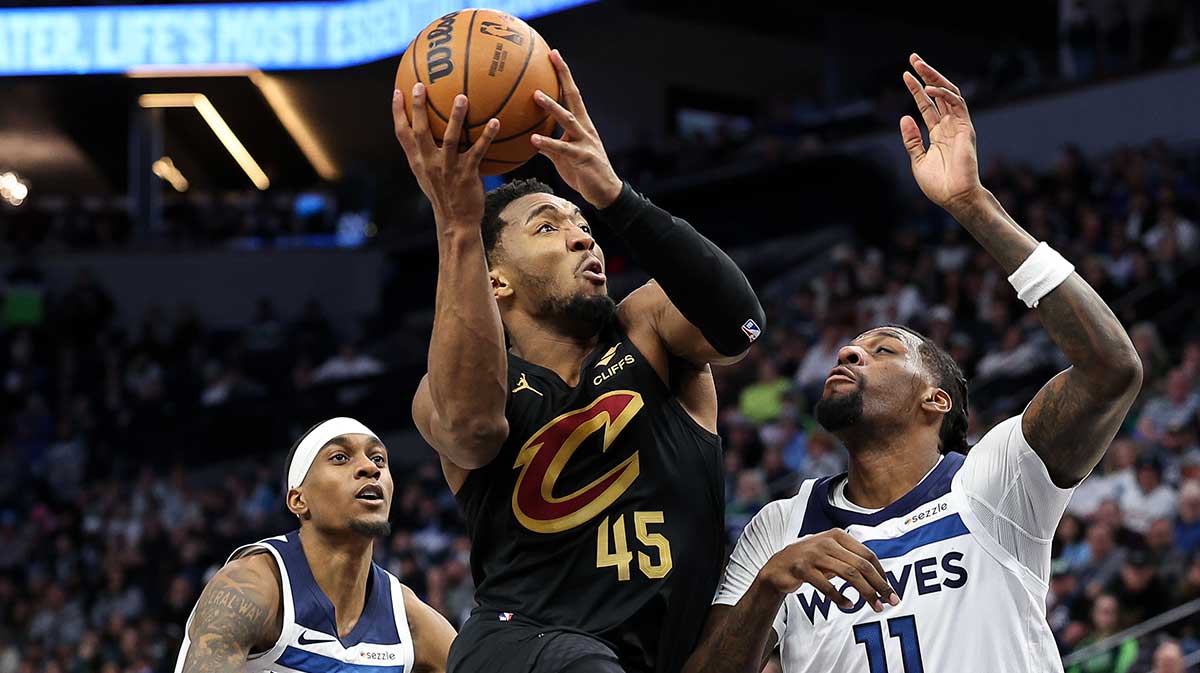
[[498, 61]]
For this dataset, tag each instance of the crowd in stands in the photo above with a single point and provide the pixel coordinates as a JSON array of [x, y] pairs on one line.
[[51, 223], [1097, 40], [102, 557]]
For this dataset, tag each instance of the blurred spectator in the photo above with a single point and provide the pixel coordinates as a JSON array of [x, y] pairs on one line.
[[1167, 559], [1138, 589], [1150, 499], [824, 457], [762, 400], [1105, 611], [1187, 522], [349, 363], [1168, 658], [1173, 410], [1103, 560]]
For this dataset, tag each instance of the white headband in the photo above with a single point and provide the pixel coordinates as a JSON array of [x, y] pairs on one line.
[[318, 437]]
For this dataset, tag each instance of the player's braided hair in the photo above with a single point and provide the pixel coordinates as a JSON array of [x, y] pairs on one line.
[[949, 377], [497, 200]]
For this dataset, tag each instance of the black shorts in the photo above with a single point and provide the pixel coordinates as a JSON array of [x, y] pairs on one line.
[[489, 644]]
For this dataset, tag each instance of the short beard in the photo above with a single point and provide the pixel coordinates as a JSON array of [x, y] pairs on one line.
[[838, 412], [582, 316], [372, 529]]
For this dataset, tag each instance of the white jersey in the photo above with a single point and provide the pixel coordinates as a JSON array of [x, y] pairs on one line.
[[308, 642], [967, 552]]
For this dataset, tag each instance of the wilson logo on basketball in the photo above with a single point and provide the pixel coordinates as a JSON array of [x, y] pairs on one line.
[[545, 455], [438, 59]]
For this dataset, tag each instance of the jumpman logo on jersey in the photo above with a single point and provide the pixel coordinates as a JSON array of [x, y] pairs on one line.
[[523, 384], [608, 355]]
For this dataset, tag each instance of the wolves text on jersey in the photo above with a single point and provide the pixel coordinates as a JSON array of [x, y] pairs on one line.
[[927, 575]]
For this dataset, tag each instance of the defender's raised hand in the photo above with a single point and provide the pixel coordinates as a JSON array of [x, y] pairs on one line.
[[448, 174], [579, 155], [948, 170]]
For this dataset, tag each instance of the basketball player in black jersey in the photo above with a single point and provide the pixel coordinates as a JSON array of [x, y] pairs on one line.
[[584, 453]]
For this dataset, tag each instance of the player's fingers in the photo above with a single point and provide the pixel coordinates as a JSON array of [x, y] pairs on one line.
[[931, 75], [480, 148], [929, 112], [404, 132], [911, 135], [846, 566], [872, 569], [950, 103], [571, 94], [450, 138], [565, 118], [826, 587], [420, 120], [556, 149]]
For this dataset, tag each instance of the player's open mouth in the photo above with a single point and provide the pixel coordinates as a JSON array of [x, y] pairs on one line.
[[594, 271], [370, 493]]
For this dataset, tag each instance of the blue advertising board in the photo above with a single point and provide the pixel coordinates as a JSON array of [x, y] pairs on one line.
[[266, 35]]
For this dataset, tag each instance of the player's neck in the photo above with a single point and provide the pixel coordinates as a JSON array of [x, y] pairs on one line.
[[885, 468], [341, 567], [545, 347]]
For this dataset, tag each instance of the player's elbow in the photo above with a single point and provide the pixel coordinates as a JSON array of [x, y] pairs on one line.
[[1123, 374], [474, 442]]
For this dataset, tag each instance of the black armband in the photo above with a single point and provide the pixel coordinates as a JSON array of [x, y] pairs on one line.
[[697, 276]]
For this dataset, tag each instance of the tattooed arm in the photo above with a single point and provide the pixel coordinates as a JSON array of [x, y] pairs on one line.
[[431, 635], [737, 639], [1072, 420], [239, 612]]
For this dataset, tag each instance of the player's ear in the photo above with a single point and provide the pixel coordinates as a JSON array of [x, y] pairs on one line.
[[937, 401], [296, 504], [500, 285]]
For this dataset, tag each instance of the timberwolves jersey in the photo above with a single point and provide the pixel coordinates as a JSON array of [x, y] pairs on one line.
[[308, 642], [601, 514], [967, 552]]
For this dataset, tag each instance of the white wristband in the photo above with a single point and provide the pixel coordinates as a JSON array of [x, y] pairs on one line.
[[1040, 273]]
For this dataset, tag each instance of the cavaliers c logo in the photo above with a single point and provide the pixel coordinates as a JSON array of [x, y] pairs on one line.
[[544, 456]]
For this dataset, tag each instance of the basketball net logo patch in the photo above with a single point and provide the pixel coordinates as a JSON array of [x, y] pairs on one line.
[[545, 455]]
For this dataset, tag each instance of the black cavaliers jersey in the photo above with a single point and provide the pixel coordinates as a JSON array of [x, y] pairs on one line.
[[603, 511]]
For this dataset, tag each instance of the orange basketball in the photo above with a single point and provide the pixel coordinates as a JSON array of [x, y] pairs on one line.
[[498, 61]]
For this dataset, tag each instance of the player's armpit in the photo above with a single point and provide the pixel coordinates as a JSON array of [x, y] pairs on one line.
[[431, 634], [239, 609]]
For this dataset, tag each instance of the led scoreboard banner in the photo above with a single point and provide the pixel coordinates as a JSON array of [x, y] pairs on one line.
[[266, 35]]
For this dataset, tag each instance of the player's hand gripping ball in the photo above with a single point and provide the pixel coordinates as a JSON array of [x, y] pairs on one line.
[[497, 61]]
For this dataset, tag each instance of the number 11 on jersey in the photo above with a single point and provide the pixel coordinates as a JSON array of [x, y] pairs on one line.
[[902, 628], [621, 558]]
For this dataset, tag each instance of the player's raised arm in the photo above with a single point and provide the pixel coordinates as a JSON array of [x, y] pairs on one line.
[[459, 406], [701, 305], [1071, 421], [239, 609]]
